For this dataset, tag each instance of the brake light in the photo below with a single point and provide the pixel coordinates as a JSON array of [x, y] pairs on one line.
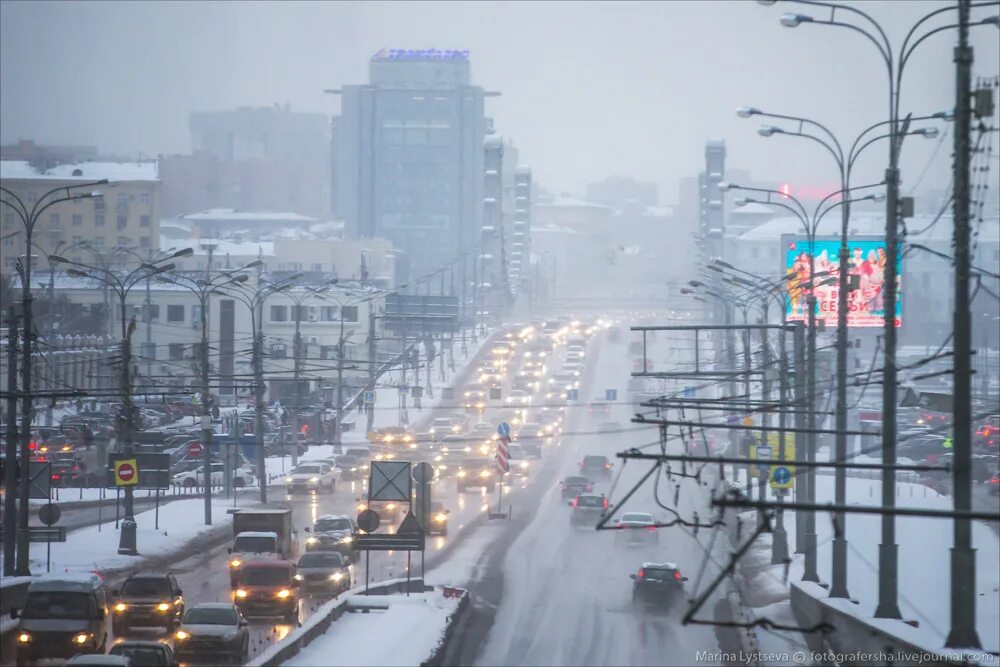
[[574, 501], [642, 574], [607, 465], [588, 487], [604, 502], [32, 445], [55, 476], [651, 529], [677, 575]]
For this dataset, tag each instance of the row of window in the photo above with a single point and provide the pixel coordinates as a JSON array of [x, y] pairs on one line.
[[99, 220], [122, 198], [313, 313]]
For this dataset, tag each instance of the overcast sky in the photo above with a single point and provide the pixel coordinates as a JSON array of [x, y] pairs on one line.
[[588, 89]]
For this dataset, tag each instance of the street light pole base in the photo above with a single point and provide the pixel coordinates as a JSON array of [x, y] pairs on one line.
[[779, 542], [127, 544], [838, 582], [888, 582]]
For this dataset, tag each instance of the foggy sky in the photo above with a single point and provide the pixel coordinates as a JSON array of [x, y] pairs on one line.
[[588, 89]]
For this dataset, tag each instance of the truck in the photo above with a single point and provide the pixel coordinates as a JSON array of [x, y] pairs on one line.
[[260, 534]]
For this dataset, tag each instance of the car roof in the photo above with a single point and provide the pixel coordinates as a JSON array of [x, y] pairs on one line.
[[212, 605], [257, 533], [324, 517], [268, 564], [664, 565], [590, 495], [83, 583], [140, 643]]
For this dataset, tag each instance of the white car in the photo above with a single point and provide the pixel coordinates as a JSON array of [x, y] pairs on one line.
[[518, 397], [518, 460], [573, 367], [242, 476], [311, 476], [442, 426], [637, 528]]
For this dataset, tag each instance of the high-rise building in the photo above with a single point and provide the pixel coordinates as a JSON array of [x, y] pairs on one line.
[[408, 155]]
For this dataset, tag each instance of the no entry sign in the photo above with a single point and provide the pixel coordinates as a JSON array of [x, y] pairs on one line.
[[195, 449], [126, 472]]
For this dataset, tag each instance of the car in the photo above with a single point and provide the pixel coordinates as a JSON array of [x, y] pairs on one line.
[[475, 473], [574, 368], [309, 476], [351, 467], [333, 532], [994, 484], [598, 405], [594, 464], [588, 509], [657, 585], [147, 599], [145, 653], [62, 615], [574, 485], [324, 572], [518, 460], [474, 397], [392, 435], [455, 443], [442, 426], [212, 630], [438, 524], [242, 476], [269, 588], [636, 528], [564, 381]]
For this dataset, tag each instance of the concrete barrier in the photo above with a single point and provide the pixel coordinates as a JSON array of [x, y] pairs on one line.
[[455, 628]]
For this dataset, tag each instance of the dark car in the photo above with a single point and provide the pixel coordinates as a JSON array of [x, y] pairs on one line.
[[212, 630], [324, 572], [475, 473], [657, 585], [65, 473], [588, 509], [269, 588], [574, 485], [145, 653], [147, 600], [595, 465], [438, 524], [333, 532], [351, 467], [994, 484]]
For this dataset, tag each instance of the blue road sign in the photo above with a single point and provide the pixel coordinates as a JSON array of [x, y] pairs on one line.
[[573, 395], [369, 397], [782, 475], [611, 394], [503, 429], [689, 391], [403, 390]]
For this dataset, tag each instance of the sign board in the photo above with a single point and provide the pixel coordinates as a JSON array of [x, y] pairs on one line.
[[368, 521], [573, 395], [403, 390], [153, 470], [195, 449], [126, 472], [761, 453], [386, 542], [390, 480], [866, 271], [495, 393], [369, 397], [423, 473], [415, 314], [49, 514], [39, 479], [782, 476], [503, 429], [43, 534], [611, 394], [410, 526], [417, 392]]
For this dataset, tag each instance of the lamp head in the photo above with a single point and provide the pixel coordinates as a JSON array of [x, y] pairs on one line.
[[927, 132], [740, 201], [725, 186], [746, 112], [768, 130], [58, 259], [184, 252], [242, 278], [76, 273], [792, 20], [877, 197]]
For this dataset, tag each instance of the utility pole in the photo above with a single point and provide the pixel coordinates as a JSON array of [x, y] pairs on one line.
[[148, 322], [963, 557], [798, 348], [340, 382], [11, 467], [810, 570], [296, 378], [206, 411], [127, 544], [258, 380], [372, 356]]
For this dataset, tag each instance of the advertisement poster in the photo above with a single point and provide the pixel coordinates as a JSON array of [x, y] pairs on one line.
[[866, 271]]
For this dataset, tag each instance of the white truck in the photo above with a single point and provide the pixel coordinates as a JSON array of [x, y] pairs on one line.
[[260, 534]]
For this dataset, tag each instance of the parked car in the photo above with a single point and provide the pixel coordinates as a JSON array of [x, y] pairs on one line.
[[242, 476]]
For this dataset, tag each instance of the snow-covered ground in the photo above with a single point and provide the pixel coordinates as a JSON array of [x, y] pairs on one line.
[[96, 547], [405, 634]]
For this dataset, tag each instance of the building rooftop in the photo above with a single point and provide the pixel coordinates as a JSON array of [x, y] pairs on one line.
[[922, 228], [81, 171], [572, 202], [233, 215]]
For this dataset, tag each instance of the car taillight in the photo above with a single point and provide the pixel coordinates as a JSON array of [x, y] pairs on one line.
[[677, 575], [607, 465], [651, 529], [574, 502], [588, 487], [642, 574], [604, 502]]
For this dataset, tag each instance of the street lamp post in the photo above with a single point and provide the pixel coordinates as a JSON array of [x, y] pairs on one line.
[[29, 218], [122, 285], [203, 289], [963, 632]]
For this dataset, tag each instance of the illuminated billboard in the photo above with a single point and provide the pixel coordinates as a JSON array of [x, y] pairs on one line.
[[866, 271]]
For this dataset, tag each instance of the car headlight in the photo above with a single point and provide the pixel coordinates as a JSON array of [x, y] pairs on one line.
[[312, 540], [314, 479], [82, 638], [283, 593], [180, 634], [347, 539], [354, 469], [440, 517], [432, 431], [540, 434], [484, 473], [121, 606], [163, 606], [236, 562], [298, 577], [240, 593], [362, 507], [391, 506], [23, 638], [336, 576], [461, 473], [468, 394], [288, 480], [524, 464]]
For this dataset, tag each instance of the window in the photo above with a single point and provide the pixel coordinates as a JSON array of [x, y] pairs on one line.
[[98, 241], [99, 220], [176, 351], [8, 240], [350, 313], [122, 221], [144, 242], [144, 198], [328, 314], [154, 312], [53, 219], [175, 313], [300, 313], [144, 221], [279, 313], [8, 220], [124, 241], [196, 312], [122, 198], [77, 220]]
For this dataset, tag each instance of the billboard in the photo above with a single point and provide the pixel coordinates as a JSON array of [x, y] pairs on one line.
[[866, 279]]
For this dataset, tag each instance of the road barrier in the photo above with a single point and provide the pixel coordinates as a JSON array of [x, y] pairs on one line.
[[455, 628]]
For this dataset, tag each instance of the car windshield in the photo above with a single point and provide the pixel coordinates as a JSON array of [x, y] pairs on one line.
[[347, 461], [658, 574], [329, 525], [146, 588], [441, 421], [318, 559], [577, 481], [589, 501], [265, 576], [307, 470], [253, 544], [637, 518], [594, 460], [437, 506], [210, 616], [58, 604], [141, 655]]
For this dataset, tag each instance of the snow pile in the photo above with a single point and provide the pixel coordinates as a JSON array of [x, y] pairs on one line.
[[406, 633]]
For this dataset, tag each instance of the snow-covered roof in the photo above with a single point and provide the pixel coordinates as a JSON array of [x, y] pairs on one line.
[[88, 171], [869, 225], [755, 210], [233, 215], [239, 248], [258, 533], [563, 201]]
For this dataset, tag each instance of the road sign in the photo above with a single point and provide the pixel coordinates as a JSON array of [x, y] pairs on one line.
[[417, 392], [369, 397], [43, 534], [781, 477], [448, 394], [763, 454], [495, 393], [39, 479], [573, 395], [386, 542], [368, 521], [403, 390], [611, 394], [776, 470], [503, 429], [690, 391], [410, 526], [153, 469], [126, 472], [195, 449], [423, 473], [390, 480], [503, 465], [49, 514]]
